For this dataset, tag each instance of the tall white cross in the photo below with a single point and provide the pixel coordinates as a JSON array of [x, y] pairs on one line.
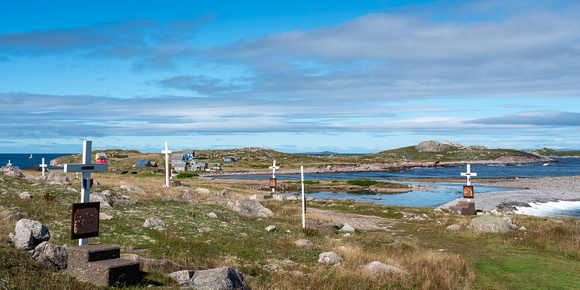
[[9, 164], [43, 165], [86, 168], [468, 174], [303, 200], [167, 165]]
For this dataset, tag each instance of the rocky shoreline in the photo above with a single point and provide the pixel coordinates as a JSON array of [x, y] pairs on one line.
[[384, 167], [530, 190]]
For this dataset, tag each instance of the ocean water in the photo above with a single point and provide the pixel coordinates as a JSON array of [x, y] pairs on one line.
[[22, 160], [440, 193]]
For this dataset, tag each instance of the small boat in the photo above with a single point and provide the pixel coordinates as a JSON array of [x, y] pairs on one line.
[[546, 164], [30, 157]]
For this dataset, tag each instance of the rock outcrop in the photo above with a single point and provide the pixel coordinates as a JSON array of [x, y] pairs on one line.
[[489, 224], [246, 207], [223, 278]]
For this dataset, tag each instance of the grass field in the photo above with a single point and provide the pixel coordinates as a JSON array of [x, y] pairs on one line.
[[546, 256]]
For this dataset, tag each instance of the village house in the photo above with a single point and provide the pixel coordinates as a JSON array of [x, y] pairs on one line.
[[198, 166], [101, 158], [179, 165], [177, 158], [145, 163], [188, 153]]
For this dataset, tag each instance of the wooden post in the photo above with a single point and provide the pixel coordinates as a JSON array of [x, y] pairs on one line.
[[303, 200]]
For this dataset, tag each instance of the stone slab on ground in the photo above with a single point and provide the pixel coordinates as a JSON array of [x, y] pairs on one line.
[[100, 265]]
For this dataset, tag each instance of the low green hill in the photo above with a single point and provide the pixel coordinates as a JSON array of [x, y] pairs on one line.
[[554, 153]]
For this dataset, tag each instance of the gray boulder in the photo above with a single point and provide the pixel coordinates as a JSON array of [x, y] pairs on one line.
[[489, 224], [453, 228], [202, 191], [223, 278], [102, 199], [24, 195], [247, 207], [108, 193], [377, 268], [271, 228], [303, 243], [329, 258], [28, 234], [278, 197], [134, 189], [153, 222], [58, 178], [11, 172], [347, 228], [51, 256]]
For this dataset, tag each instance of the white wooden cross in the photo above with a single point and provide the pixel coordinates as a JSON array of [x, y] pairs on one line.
[[303, 200], [274, 167], [43, 165], [86, 168], [167, 165], [9, 164], [468, 174]]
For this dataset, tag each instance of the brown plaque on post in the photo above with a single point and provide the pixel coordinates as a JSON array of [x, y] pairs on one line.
[[272, 182], [467, 191], [85, 220]]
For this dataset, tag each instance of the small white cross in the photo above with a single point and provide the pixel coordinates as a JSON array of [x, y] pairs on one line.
[[274, 167], [468, 174], [9, 164], [167, 165], [43, 165], [86, 168]]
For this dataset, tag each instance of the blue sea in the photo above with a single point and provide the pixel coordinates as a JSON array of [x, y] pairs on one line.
[[22, 160], [439, 193]]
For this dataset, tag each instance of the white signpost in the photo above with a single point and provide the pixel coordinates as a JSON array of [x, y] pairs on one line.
[[43, 165], [86, 168], [274, 167], [468, 174], [9, 164], [167, 165], [303, 200]]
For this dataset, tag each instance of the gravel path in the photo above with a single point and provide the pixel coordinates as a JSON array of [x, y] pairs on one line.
[[530, 190]]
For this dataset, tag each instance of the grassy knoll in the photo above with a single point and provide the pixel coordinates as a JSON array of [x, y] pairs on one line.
[[555, 153], [546, 256]]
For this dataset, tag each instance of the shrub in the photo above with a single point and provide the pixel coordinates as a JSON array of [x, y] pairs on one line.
[[183, 175], [362, 182]]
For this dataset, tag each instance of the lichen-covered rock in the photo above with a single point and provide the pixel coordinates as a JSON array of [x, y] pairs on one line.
[[134, 189], [153, 222], [51, 256], [489, 224], [11, 172], [329, 258], [303, 243], [377, 268], [247, 207], [102, 199], [28, 234], [224, 278], [271, 228]]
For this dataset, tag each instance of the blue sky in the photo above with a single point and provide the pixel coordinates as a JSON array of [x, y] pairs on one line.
[[293, 76]]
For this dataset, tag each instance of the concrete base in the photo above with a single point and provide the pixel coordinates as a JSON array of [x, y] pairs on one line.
[[464, 208], [101, 265]]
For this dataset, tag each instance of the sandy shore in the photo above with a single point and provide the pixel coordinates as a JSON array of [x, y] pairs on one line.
[[533, 190]]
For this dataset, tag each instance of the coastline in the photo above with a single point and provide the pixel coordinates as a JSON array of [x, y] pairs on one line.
[[530, 190], [381, 167]]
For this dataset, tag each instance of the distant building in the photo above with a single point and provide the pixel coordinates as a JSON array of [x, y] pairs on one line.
[[198, 166], [405, 158], [101, 158], [214, 166], [145, 163], [179, 165], [188, 153], [177, 158], [33, 168]]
